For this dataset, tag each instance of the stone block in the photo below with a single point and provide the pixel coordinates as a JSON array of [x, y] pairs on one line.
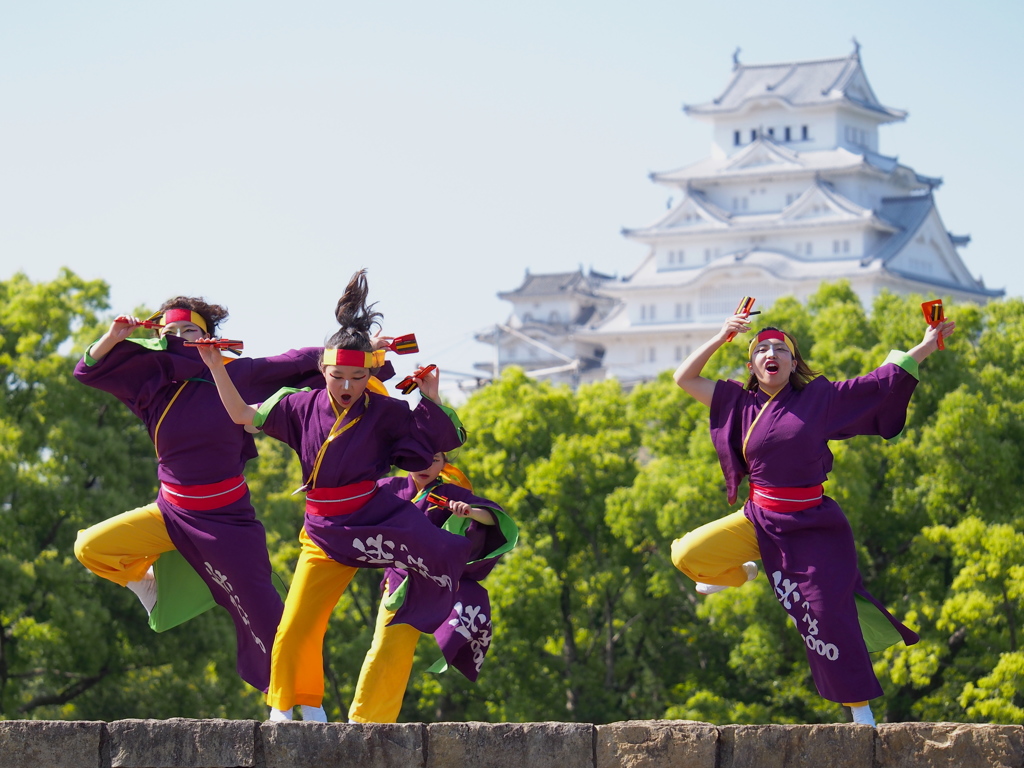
[[510, 745], [795, 746], [50, 744], [182, 743], [290, 744], [656, 744], [949, 745]]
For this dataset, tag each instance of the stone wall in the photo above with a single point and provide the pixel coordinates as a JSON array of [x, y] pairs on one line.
[[181, 743]]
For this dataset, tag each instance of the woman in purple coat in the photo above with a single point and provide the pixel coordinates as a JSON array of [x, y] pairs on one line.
[[445, 496], [776, 429], [347, 438], [202, 511]]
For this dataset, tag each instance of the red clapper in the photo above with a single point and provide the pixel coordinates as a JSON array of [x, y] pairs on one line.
[[404, 345], [746, 304], [409, 383], [933, 315], [147, 323], [439, 501], [231, 344]]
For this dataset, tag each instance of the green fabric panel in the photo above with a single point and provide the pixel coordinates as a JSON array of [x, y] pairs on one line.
[[268, 405], [395, 600], [439, 667], [879, 633], [904, 361], [155, 344], [180, 592], [458, 525], [450, 412]]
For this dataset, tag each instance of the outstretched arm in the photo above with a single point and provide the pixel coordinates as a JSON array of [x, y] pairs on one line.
[[462, 509], [930, 342], [118, 331], [239, 411], [688, 376]]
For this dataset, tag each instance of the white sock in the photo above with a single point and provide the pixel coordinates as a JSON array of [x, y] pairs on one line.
[[145, 590], [280, 715], [709, 589], [862, 715], [313, 714]]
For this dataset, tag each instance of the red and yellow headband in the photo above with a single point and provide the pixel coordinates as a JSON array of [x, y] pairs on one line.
[[771, 333], [354, 357], [184, 315]]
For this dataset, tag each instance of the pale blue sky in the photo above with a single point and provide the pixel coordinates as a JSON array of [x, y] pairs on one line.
[[258, 153]]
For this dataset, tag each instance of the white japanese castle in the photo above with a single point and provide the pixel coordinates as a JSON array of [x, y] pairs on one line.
[[794, 193]]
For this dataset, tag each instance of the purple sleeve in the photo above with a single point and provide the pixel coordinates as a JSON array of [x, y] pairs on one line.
[[135, 374], [284, 421], [726, 433], [427, 431], [259, 378], [873, 404]]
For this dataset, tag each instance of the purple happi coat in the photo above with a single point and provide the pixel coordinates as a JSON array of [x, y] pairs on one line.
[[809, 556], [387, 530], [466, 636], [198, 444]]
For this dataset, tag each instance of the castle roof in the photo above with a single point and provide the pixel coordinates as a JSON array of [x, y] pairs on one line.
[[557, 284], [768, 156], [814, 83]]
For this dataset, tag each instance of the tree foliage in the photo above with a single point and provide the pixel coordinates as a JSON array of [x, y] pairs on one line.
[[592, 621]]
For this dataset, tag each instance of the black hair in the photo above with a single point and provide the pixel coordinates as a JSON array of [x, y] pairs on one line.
[[356, 318], [213, 314]]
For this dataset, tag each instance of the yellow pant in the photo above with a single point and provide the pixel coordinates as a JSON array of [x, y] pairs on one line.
[[122, 548], [385, 672], [297, 661], [715, 553]]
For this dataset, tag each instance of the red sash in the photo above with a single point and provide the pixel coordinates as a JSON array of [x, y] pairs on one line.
[[786, 499], [341, 500], [201, 498]]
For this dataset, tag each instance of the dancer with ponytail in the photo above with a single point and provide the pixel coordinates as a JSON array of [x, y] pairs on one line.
[[202, 512], [776, 429], [445, 496], [348, 437]]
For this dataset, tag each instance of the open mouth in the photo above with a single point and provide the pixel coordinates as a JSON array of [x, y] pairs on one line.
[[771, 366], [345, 399]]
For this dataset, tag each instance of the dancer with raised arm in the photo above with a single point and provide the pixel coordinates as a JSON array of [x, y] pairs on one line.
[[445, 496], [347, 438], [203, 509], [776, 428]]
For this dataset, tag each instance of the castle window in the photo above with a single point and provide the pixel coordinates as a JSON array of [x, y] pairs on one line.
[[736, 138], [679, 354], [753, 134], [788, 134], [652, 354], [679, 311], [805, 132], [771, 132]]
